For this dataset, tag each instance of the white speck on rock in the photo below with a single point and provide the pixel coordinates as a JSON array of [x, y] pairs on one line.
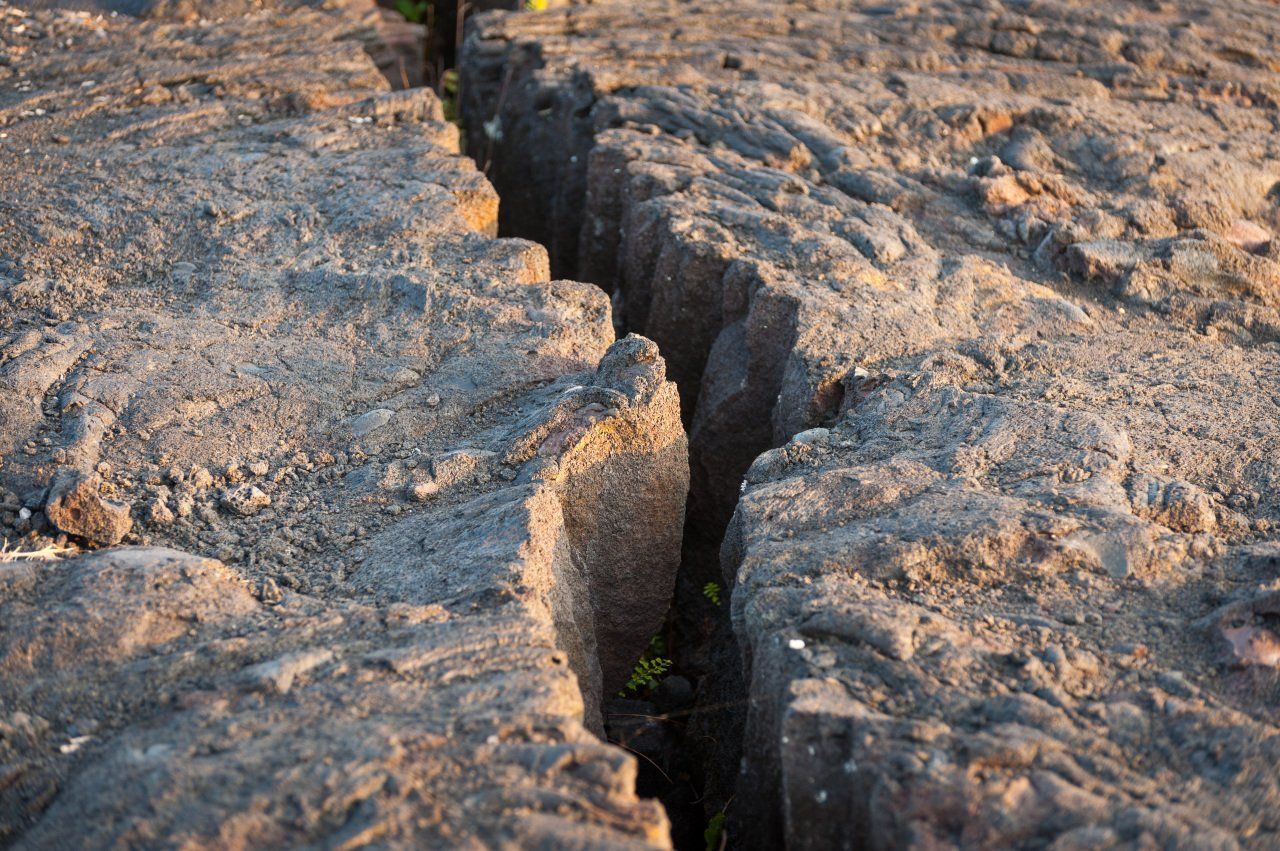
[[74, 744]]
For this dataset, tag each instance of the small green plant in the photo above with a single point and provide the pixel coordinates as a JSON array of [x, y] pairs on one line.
[[712, 592], [651, 666], [535, 5], [414, 11], [646, 674], [449, 96], [714, 834]]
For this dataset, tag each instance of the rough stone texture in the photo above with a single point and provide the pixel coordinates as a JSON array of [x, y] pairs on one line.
[[1002, 277], [396, 46], [75, 505], [222, 248]]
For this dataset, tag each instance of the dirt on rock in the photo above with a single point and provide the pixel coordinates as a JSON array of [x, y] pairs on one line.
[[973, 308], [396, 508]]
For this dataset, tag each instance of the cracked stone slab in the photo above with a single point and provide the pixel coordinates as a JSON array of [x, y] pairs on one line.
[[965, 601], [976, 305], [255, 299], [780, 199]]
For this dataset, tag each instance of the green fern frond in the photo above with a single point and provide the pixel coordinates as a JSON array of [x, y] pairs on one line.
[[649, 669]]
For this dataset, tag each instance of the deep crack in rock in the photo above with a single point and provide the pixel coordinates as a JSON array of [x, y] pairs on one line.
[[973, 312]]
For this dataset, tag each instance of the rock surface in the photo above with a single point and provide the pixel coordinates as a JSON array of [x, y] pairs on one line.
[[223, 246], [396, 46], [75, 505], [995, 284]]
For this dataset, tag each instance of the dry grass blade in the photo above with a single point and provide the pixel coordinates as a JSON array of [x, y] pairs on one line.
[[49, 552]]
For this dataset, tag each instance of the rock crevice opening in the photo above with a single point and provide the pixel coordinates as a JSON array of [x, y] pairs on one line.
[[964, 314]]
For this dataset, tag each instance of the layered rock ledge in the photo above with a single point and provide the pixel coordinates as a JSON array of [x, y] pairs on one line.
[[385, 508], [989, 294]]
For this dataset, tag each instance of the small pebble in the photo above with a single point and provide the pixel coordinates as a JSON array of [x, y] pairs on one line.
[[423, 491], [372, 421], [244, 500]]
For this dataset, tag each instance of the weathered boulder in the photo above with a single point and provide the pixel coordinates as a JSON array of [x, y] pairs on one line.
[[223, 245], [961, 629]]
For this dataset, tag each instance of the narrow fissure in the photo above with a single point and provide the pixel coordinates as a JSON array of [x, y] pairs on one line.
[[683, 715], [576, 176], [915, 491], [774, 262], [449, 494]]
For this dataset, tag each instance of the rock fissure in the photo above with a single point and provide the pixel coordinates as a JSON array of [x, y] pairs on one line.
[[972, 331], [971, 315]]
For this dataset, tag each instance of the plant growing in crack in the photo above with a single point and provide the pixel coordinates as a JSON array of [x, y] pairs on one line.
[[649, 669], [414, 11], [712, 592], [714, 835], [449, 96]]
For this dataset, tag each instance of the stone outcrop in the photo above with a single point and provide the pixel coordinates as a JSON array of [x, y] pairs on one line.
[[981, 301], [401, 507]]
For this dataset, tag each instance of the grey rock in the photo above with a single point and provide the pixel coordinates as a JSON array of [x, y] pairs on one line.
[[278, 675], [244, 499], [371, 421]]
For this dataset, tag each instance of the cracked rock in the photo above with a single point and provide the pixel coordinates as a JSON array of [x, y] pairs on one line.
[[248, 248], [974, 309]]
